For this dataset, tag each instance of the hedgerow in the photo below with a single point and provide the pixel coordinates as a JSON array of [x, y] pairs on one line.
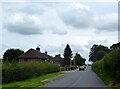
[[109, 65], [21, 71]]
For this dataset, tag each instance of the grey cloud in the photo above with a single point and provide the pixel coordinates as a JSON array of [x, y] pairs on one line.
[[28, 26], [76, 48], [54, 49], [108, 26], [23, 29], [90, 44], [59, 31], [106, 23], [77, 17], [35, 8], [28, 8], [80, 49], [81, 18], [25, 25], [85, 19]]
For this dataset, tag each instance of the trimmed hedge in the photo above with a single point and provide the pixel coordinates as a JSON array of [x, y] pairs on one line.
[[21, 71], [109, 65]]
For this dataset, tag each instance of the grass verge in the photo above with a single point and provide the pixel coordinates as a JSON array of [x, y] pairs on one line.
[[30, 83], [108, 80], [117, 86], [105, 78]]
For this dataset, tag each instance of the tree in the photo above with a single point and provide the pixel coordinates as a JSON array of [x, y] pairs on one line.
[[97, 52], [12, 54], [67, 55], [115, 46], [79, 60], [100, 54]]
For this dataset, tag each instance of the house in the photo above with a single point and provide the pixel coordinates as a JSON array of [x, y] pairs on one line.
[[48, 57], [35, 55], [58, 59]]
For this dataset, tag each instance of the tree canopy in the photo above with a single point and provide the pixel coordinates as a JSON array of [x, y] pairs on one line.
[[79, 60], [12, 54], [115, 46], [97, 52], [67, 55]]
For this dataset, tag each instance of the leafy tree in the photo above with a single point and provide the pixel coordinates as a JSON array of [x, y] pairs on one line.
[[100, 55], [12, 54], [67, 55], [79, 60], [83, 61], [72, 62], [97, 52], [115, 46]]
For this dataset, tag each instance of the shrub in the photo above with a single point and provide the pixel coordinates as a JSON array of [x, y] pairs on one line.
[[20, 71], [110, 64]]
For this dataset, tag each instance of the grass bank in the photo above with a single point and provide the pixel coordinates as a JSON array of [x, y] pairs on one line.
[[30, 83]]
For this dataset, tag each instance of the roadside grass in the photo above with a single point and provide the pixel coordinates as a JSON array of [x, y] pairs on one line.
[[106, 79], [117, 86], [30, 83]]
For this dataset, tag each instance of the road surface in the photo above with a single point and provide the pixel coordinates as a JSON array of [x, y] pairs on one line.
[[77, 78]]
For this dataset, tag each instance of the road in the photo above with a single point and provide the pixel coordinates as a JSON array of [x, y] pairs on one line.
[[77, 78]]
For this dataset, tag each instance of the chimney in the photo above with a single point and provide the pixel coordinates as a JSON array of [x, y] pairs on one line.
[[38, 49], [46, 52], [59, 55]]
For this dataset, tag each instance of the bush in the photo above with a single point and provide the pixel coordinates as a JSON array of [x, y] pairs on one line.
[[109, 65], [112, 64], [20, 71]]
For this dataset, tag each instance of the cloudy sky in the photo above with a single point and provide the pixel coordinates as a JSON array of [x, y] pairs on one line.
[[54, 24]]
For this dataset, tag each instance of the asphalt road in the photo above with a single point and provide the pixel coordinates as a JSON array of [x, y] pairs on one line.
[[77, 78]]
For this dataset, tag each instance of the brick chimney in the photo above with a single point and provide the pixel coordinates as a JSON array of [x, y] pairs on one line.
[[38, 49], [46, 52]]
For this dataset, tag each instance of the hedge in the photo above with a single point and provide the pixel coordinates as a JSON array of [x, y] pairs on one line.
[[109, 65], [21, 71]]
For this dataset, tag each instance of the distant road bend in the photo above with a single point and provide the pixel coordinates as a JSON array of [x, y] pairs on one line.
[[77, 78]]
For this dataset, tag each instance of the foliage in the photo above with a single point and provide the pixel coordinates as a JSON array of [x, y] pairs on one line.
[[20, 71], [97, 52], [115, 46], [72, 62], [109, 66], [79, 60], [100, 54], [67, 55], [12, 54], [117, 86], [99, 71]]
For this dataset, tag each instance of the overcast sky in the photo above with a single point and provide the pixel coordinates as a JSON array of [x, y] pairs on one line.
[[52, 25]]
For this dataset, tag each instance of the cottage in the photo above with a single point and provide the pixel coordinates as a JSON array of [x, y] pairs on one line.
[[35, 55], [58, 59]]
